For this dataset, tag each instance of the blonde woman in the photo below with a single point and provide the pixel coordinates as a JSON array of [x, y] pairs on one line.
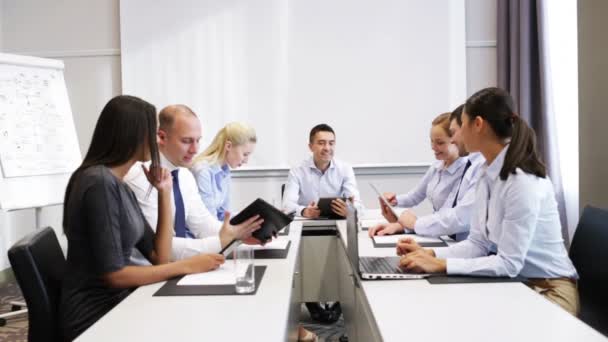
[[230, 149]]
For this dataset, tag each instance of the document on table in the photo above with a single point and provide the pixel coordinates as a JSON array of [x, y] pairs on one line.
[[300, 218], [368, 223], [278, 243], [224, 275], [385, 239]]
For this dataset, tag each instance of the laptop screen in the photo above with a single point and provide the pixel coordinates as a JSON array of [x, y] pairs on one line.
[[352, 238]]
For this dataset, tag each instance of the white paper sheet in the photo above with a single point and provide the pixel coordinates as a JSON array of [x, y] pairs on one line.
[[278, 243], [224, 275], [396, 238], [368, 223]]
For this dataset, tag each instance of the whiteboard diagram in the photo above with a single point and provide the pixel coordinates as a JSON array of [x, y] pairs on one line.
[[38, 144], [37, 133]]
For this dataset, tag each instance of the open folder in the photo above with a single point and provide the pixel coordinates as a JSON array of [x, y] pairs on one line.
[[274, 219]]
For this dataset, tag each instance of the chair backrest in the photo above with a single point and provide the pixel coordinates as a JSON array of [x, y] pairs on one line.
[[589, 254], [39, 265]]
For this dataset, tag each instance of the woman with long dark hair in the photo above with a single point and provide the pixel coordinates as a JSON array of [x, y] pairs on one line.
[[103, 222], [516, 226]]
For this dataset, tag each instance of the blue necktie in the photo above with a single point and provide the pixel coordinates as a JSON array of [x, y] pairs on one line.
[[459, 184], [460, 236], [180, 213]]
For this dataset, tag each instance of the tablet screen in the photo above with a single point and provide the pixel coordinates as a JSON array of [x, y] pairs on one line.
[[384, 200]]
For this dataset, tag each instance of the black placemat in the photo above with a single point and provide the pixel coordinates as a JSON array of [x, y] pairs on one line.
[[463, 279], [172, 289]]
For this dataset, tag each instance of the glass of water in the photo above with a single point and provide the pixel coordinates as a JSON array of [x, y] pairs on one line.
[[244, 269]]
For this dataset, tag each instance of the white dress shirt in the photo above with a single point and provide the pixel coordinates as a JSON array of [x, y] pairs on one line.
[[201, 223], [451, 219], [519, 218], [306, 183], [436, 185]]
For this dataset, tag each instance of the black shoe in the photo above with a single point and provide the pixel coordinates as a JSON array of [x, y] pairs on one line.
[[343, 338], [317, 312], [334, 312], [322, 314], [336, 309]]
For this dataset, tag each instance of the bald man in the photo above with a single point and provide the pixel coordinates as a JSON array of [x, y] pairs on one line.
[[196, 230]]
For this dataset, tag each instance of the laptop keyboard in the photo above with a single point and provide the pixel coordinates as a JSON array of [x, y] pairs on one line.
[[379, 265]]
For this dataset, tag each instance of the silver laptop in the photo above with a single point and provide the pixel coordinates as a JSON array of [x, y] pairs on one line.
[[384, 200], [372, 267]]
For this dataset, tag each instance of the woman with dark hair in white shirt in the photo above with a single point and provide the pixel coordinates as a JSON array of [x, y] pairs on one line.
[[515, 214]]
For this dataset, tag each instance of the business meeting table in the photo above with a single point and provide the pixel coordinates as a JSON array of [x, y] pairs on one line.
[[317, 268]]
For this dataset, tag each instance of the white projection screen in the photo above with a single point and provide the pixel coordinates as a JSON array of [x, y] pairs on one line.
[[377, 71]]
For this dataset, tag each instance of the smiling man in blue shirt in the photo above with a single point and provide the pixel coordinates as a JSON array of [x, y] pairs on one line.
[[320, 175]]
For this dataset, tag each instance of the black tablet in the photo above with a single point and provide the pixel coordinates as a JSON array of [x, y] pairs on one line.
[[324, 205], [274, 219]]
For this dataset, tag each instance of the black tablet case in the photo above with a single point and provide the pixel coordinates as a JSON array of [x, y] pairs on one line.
[[324, 205], [274, 219]]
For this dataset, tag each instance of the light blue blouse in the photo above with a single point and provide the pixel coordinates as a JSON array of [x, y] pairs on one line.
[[436, 185], [213, 183]]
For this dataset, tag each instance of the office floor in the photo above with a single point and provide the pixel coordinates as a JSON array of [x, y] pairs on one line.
[[15, 329]]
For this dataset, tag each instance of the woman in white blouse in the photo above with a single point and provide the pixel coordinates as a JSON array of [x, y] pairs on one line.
[[436, 185], [515, 215]]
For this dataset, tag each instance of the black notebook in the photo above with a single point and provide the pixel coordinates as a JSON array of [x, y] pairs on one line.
[[274, 219]]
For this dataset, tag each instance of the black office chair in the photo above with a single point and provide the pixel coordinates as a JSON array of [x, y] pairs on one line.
[[38, 264], [589, 253]]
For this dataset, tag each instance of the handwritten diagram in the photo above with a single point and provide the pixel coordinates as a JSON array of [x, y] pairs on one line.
[[37, 134]]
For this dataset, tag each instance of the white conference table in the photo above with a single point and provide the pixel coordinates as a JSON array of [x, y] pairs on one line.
[[418, 311], [388, 310]]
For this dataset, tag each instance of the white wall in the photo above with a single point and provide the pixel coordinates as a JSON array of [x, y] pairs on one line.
[[481, 44], [84, 34], [481, 73], [291, 65]]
